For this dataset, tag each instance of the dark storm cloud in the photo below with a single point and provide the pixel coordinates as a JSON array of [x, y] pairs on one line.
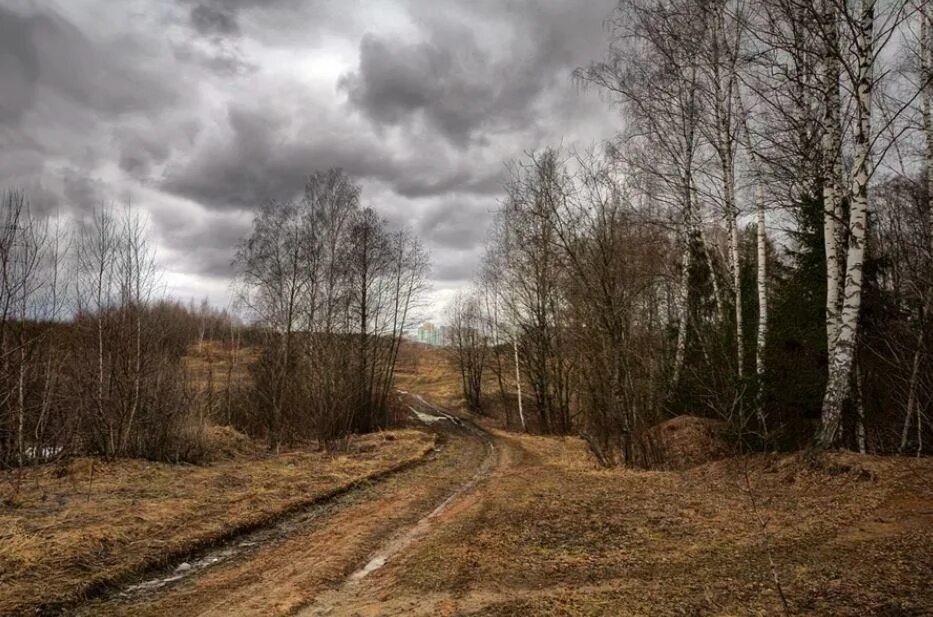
[[457, 224], [214, 19], [454, 266], [19, 66], [140, 150], [245, 167], [465, 82], [222, 17], [82, 191], [457, 87], [63, 95], [45, 50], [264, 157], [204, 244], [202, 109]]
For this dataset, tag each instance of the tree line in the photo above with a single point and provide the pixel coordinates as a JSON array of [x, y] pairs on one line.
[[756, 243], [95, 358], [90, 349]]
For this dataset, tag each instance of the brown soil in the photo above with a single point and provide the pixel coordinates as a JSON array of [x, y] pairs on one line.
[[68, 529], [549, 534], [281, 577]]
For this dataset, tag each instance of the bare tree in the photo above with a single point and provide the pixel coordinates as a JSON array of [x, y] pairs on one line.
[[333, 289], [471, 344]]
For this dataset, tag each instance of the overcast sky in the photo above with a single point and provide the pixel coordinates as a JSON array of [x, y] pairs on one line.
[[197, 110]]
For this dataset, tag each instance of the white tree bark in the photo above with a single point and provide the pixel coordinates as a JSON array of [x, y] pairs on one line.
[[683, 294], [762, 273], [710, 264], [842, 356], [724, 85], [832, 178], [683, 299], [762, 278], [737, 288], [518, 383]]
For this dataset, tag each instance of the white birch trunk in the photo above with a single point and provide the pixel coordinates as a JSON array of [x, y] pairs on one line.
[[737, 288], [683, 298], [683, 294], [842, 357], [724, 94], [710, 264], [518, 384], [762, 279], [714, 276], [732, 213], [762, 274], [832, 178]]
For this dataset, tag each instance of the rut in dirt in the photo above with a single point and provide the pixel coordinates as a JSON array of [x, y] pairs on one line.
[[324, 604], [158, 584]]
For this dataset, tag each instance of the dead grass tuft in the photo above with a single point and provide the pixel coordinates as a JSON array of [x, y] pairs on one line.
[[225, 442], [688, 441]]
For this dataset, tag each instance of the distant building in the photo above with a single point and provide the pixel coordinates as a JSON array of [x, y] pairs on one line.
[[429, 334], [445, 336]]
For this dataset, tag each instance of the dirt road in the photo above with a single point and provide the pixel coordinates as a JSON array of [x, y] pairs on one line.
[[327, 551], [500, 524]]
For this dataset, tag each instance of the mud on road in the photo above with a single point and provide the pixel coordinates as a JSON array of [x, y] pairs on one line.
[[315, 558]]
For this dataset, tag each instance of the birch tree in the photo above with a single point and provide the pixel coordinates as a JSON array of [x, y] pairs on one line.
[[652, 73], [842, 351]]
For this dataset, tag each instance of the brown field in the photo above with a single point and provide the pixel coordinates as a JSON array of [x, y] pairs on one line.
[[550, 534], [507, 524], [430, 371], [71, 528]]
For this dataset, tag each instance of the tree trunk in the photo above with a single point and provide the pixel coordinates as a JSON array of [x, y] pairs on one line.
[[518, 384], [926, 76], [832, 175], [683, 298], [860, 409], [842, 357], [737, 288], [762, 304], [21, 398]]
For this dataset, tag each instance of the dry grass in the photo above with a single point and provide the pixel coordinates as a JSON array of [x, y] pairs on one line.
[[73, 528], [553, 535], [219, 362], [687, 441], [431, 372]]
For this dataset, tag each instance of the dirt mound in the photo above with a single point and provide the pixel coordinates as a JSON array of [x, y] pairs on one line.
[[687, 441], [225, 442]]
